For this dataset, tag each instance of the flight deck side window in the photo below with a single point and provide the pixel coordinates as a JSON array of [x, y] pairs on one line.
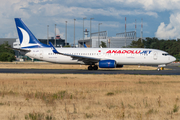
[[165, 54]]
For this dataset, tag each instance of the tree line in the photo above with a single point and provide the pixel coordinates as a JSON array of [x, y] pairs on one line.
[[170, 46], [5, 53]]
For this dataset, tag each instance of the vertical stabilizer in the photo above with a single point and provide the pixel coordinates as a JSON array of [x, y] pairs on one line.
[[27, 39]]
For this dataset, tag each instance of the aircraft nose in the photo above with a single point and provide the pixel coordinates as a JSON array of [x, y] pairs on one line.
[[173, 58]]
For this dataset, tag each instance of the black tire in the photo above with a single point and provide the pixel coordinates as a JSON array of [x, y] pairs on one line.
[[90, 68], [95, 67]]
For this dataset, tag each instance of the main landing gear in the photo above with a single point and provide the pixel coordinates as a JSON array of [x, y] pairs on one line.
[[95, 67]]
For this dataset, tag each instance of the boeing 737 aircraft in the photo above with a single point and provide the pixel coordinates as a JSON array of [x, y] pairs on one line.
[[94, 57]]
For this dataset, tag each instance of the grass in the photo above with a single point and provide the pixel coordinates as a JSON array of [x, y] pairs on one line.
[[110, 94], [38, 116], [48, 98], [88, 115], [73, 96], [176, 108]]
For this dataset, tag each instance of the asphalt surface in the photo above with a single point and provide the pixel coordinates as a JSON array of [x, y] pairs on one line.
[[175, 71]]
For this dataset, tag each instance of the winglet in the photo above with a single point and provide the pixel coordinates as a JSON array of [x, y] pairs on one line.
[[53, 48], [85, 45]]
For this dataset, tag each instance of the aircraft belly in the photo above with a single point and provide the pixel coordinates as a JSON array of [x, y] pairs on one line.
[[65, 60]]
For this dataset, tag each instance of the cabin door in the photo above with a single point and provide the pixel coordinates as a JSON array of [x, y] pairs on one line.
[[41, 54], [155, 55]]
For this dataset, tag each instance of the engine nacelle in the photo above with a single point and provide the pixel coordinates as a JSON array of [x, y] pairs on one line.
[[119, 66], [107, 64]]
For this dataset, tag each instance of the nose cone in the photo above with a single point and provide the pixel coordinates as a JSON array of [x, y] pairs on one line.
[[173, 58]]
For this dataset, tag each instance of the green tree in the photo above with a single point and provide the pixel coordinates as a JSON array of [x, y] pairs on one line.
[[137, 44], [170, 46], [67, 46], [103, 44], [5, 53], [148, 42]]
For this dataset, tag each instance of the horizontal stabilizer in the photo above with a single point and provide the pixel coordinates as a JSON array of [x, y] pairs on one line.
[[18, 49]]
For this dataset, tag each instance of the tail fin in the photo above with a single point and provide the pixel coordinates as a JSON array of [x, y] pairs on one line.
[[27, 39]]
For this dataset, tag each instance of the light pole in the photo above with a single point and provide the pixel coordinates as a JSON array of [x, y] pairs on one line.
[[135, 29], [55, 37], [74, 32], [99, 33], [47, 34], [142, 30], [90, 26], [66, 34], [83, 28], [125, 32]]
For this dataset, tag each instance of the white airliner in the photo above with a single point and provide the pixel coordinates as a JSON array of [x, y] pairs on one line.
[[94, 57]]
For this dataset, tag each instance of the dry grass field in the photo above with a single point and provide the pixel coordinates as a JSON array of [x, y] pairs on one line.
[[44, 65], [95, 97]]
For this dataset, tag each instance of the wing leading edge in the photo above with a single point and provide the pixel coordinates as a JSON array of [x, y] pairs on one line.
[[86, 60]]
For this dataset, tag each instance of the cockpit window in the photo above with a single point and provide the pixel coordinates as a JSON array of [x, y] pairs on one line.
[[165, 54]]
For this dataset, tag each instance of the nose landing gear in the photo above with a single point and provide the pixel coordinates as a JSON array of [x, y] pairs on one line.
[[159, 69]]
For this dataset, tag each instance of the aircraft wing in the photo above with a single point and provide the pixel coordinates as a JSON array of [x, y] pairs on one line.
[[86, 60]]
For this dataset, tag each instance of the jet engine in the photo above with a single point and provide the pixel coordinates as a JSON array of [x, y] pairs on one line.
[[107, 64]]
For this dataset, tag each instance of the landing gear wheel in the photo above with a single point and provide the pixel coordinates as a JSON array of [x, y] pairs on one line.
[[158, 69], [95, 67], [90, 67]]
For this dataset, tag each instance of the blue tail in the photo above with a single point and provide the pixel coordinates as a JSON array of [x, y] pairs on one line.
[[27, 39]]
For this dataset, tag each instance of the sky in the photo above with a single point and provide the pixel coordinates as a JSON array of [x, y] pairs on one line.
[[161, 18]]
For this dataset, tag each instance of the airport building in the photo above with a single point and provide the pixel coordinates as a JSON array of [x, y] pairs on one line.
[[119, 41], [58, 42]]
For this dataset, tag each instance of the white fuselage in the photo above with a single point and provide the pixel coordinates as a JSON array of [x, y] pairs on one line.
[[122, 56]]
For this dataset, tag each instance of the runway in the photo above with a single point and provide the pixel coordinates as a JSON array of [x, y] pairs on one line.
[[175, 71]]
